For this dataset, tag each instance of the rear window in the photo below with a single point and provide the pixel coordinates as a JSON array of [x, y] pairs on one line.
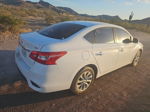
[[61, 30]]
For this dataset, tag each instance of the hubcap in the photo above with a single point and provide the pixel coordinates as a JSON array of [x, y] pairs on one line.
[[84, 81]]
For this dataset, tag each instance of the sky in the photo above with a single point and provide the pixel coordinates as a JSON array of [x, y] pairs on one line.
[[122, 8]]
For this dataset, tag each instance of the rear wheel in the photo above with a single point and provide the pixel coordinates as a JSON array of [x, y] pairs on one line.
[[83, 80], [136, 59]]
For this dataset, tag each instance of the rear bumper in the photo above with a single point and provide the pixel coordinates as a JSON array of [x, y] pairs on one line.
[[41, 78], [25, 70]]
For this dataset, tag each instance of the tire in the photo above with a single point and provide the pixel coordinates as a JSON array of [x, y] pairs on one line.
[[136, 59], [83, 80]]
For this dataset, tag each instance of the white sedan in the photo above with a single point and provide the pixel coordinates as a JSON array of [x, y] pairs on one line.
[[71, 55]]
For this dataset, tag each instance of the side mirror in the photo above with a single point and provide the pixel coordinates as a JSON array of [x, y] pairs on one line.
[[126, 41], [135, 40]]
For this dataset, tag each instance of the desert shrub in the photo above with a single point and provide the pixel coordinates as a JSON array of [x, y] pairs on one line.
[[50, 19], [65, 18], [130, 25], [10, 23], [141, 27], [9, 15], [59, 18]]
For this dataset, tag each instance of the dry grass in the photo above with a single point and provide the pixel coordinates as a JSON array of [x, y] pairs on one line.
[[29, 12]]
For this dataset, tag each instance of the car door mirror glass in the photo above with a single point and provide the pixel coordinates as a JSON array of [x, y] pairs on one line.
[[126, 41], [135, 40]]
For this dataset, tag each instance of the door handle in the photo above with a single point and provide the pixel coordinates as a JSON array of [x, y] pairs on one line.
[[99, 53]]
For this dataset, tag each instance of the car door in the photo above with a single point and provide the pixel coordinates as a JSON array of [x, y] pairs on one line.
[[105, 50], [125, 49]]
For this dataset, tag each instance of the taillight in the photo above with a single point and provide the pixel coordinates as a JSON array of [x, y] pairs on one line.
[[47, 58]]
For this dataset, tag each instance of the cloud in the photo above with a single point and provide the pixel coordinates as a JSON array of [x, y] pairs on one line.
[[131, 2], [146, 1], [128, 3]]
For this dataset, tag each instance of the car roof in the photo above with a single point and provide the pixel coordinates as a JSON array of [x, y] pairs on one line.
[[92, 23]]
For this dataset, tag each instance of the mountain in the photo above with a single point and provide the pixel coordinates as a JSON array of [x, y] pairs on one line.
[[69, 10], [143, 21], [107, 17], [12, 2], [57, 9], [103, 17], [62, 10], [40, 4], [45, 4], [48, 5]]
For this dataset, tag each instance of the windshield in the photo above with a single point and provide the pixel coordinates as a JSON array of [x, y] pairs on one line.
[[61, 30]]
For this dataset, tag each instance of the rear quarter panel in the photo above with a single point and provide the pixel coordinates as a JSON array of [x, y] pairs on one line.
[[79, 54]]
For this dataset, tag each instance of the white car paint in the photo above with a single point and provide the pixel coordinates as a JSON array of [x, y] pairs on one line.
[[80, 53]]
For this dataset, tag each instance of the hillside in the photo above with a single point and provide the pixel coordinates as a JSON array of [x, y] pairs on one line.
[[43, 4], [35, 15], [69, 10], [143, 21], [12, 2], [64, 10], [104, 17], [40, 4]]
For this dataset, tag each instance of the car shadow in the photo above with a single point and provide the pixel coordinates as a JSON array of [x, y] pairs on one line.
[[8, 69], [9, 74], [11, 100]]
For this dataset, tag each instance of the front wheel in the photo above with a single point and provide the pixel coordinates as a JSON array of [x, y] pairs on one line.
[[136, 59], [83, 80]]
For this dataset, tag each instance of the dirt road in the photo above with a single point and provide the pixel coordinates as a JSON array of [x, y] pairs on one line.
[[124, 90]]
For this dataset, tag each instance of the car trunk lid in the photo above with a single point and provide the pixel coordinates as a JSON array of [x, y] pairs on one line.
[[32, 42]]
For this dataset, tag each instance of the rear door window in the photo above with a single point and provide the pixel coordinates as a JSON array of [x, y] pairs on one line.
[[61, 30], [104, 35]]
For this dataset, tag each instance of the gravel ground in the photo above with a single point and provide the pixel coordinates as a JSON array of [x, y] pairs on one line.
[[124, 90]]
